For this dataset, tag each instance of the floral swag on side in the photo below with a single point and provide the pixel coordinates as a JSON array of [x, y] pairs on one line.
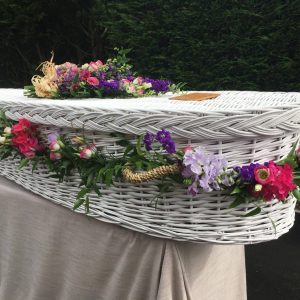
[[153, 156]]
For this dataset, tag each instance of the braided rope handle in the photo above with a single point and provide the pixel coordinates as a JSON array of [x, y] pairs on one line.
[[137, 177]]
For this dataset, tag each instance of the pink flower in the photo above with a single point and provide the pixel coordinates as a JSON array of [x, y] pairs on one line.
[[84, 74], [55, 156], [125, 81], [88, 151], [281, 184], [85, 153], [139, 80], [96, 64], [92, 81], [188, 148], [23, 124], [54, 146], [263, 175]]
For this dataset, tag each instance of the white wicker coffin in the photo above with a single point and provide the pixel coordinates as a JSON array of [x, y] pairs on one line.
[[243, 127]]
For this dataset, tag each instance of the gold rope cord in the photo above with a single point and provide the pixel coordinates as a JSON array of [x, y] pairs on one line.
[[136, 177], [45, 85], [196, 96]]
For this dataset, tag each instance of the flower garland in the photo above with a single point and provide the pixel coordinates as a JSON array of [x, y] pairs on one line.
[[114, 78], [153, 156]]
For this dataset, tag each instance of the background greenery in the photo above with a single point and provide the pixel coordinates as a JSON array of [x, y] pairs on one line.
[[211, 45]]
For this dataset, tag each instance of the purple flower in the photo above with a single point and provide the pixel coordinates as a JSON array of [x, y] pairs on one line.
[[159, 86], [52, 137], [163, 136], [109, 85], [204, 169], [170, 147], [246, 173], [148, 140], [193, 188]]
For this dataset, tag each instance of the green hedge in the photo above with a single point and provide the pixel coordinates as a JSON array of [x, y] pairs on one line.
[[211, 45]]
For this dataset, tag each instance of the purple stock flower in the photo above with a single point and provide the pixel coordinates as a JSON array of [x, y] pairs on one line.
[[148, 140]]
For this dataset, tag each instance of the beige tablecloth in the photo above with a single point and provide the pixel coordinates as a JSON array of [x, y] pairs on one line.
[[48, 252]]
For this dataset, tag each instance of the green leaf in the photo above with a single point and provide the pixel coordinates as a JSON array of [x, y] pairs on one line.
[[96, 189], [139, 146], [237, 202], [83, 192], [164, 187], [253, 212], [128, 149], [296, 194], [78, 203], [108, 177], [123, 143], [90, 180], [117, 169], [236, 190], [87, 204], [24, 162]]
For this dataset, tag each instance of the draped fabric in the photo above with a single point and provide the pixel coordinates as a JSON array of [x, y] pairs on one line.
[[48, 252]]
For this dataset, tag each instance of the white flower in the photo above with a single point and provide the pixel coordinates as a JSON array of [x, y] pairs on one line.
[[2, 139], [7, 130], [258, 187]]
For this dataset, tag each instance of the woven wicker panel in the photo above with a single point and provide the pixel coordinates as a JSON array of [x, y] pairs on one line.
[[241, 126]]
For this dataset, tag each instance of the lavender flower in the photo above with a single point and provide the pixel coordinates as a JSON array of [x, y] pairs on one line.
[[204, 169], [52, 137]]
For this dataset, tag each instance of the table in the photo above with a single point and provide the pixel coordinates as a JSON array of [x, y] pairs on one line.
[[48, 252]]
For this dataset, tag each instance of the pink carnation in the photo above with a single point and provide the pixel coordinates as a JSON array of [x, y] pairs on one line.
[[92, 81]]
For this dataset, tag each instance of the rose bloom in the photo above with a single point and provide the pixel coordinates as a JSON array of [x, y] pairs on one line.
[[92, 81]]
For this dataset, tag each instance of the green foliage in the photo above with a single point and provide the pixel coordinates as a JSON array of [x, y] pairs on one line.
[[211, 45]]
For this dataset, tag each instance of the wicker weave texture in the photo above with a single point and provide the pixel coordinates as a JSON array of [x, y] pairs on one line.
[[240, 126]]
